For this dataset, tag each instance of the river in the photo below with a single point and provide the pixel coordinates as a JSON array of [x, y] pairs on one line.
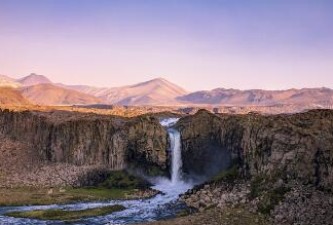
[[161, 206]]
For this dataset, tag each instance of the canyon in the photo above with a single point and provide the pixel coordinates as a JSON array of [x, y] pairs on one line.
[[257, 154]]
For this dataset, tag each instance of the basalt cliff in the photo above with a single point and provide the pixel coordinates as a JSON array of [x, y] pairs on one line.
[[59, 147], [278, 169], [293, 147], [296, 146]]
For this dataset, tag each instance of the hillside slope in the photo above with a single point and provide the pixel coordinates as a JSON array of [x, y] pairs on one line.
[[10, 96], [6, 81], [221, 96], [48, 94], [154, 92]]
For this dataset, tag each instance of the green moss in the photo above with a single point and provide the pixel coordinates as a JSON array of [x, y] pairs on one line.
[[271, 198], [183, 213], [66, 215], [239, 216], [229, 175], [42, 196], [155, 171], [124, 180], [118, 185], [257, 186], [100, 193]]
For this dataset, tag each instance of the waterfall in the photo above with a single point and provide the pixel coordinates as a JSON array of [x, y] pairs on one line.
[[160, 206], [176, 155], [175, 148]]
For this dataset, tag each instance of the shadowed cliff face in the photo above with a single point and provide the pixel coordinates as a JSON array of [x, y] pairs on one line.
[[147, 143], [88, 139], [203, 153], [298, 146]]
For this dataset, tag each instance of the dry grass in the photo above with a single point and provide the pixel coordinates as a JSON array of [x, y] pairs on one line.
[[230, 216], [57, 214], [45, 196]]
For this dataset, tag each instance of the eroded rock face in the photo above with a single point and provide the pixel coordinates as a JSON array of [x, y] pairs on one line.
[[87, 140], [208, 147], [147, 144], [298, 146]]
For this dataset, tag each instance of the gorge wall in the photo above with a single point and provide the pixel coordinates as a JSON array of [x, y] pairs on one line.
[[85, 140], [63, 144], [298, 146]]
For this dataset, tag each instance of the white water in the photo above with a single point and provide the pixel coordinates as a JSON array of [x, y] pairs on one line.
[[159, 207], [176, 162], [169, 122]]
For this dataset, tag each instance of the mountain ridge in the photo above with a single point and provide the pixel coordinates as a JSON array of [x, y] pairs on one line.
[[222, 96], [161, 92], [34, 79], [6, 81], [11, 96], [49, 94], [157, 91]]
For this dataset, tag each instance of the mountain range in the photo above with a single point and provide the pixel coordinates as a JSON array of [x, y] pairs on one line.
[[154, 92], [234, 97], [38, 89]]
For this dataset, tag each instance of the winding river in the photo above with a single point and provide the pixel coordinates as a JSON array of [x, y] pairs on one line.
[[162, 206]]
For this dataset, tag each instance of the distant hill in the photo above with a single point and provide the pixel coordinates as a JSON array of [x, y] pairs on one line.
[[236, 97], [6, 81], [34, 79], [154, 92], [39, 89], [11, 96], [49, 94]]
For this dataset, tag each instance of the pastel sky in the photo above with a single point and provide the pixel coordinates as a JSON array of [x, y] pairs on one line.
[[198, 44]]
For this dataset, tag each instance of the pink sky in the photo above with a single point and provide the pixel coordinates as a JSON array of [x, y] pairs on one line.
[[196, 44]]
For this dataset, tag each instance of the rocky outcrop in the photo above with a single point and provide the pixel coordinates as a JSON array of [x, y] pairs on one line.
[[304, 205], [280, 165], [221, 196], [298, 146], [86, 140], [301, 204]]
